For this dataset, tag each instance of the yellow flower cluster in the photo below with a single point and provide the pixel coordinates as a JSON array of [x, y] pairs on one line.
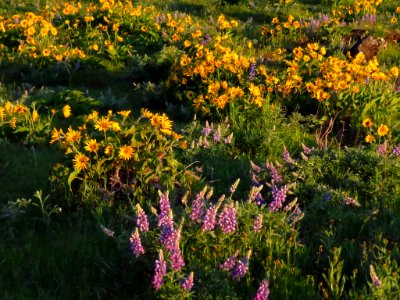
[[338, 75], [282, 27], [39, 34], [382, 130], [358, 7], [12, 114], [106, 139]]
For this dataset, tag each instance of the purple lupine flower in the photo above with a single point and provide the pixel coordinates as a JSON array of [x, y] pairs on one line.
[[165, 208], [279, 197], [286, 156], [165, 217], [255, 167], [177, 261], [206, 40], [160, 271], [169, 238], [230, 263], [396, 150], [382, 149], [259, 199], [209, 219], [241, 267], [188, 283], [252, 73], [307, 150], [254, 180], [254, 193], [274, 173], [368, 18], [217, 135], [166, 220], [263, 291], [257, 223], [141, 219], [136, 243], [375, 279], [197, 208], [227, 219], [207, 129]]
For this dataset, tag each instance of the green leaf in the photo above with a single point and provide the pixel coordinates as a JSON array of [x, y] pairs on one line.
[[72, 176]]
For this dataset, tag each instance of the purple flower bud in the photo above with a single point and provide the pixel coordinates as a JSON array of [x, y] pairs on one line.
[[234, 186], [160, 271], [188, 283], [254, 180], [207, 129], [227, 219], [141, 219], [263, 291], [217, 135], [306, 149], [375, 279], [286, 156], [257, 223], [136, 243], [274, 173], [254, 167]]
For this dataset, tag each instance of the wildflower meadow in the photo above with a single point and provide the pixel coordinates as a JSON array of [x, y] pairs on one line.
[[210, 149]]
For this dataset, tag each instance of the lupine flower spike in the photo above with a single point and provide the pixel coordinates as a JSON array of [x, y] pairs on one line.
[[188, 283], [136, 243], [230, 263], [234, 186], [257, 224], [263, 291], [241, 267], [141, 219], [227, 219], [375, 279], [160, 272]]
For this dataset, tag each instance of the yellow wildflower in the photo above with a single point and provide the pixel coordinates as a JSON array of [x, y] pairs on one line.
[[383, 130], [67, 111], [367, 123], [103, 124], [369, 138], [125, 152], [92, 145], [80, 161]]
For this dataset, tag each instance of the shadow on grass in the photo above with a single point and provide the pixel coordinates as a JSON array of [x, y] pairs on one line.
[[24, 170]]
